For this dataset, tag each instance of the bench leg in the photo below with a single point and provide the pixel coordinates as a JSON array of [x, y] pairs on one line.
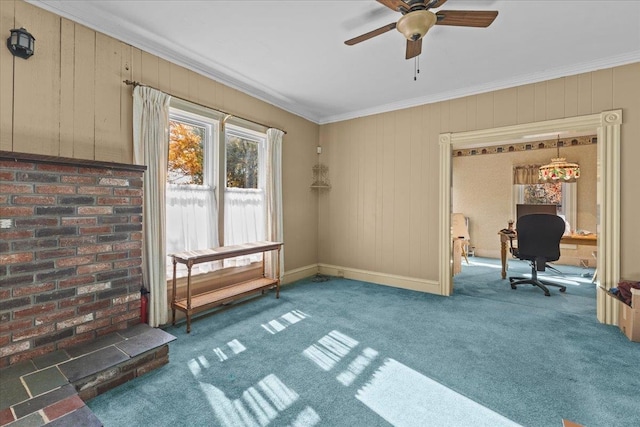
[[173, 316], [188, 323]]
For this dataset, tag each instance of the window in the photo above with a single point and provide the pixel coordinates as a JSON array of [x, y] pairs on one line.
[[244, 219], [192, 210], [561, 194], [543, 194], [242, 160], [196, 203], [186, 151]]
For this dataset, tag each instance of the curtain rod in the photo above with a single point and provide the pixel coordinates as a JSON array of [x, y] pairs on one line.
[[134, 84]]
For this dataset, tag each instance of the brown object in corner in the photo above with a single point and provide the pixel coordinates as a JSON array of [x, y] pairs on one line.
[[629, 317]]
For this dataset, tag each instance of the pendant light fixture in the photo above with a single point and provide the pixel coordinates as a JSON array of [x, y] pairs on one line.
[[559, 169]]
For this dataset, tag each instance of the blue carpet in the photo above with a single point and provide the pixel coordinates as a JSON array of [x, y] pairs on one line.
[[481, 279], [349, 353]]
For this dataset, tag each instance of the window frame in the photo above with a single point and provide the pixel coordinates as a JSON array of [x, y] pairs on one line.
[[214, 170], [209, 145], [249, 135]]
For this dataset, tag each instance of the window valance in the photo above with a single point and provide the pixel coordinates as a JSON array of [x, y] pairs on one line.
[[526, 174]]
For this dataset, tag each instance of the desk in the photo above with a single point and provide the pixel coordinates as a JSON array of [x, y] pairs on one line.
[[572, 239], [578, 239]]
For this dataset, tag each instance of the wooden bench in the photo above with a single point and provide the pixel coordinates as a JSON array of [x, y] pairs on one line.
[[209, 299]]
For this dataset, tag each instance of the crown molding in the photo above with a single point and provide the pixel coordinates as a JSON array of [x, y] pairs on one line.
[[585, 67], [138, 37]]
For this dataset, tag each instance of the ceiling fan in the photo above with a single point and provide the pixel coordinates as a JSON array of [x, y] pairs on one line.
[[417, 19]]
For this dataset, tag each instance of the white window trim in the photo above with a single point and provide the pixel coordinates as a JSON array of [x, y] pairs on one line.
[[260, 138], [210, 145]]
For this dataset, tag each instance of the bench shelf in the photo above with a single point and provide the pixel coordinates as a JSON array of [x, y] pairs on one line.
[[209, 299]]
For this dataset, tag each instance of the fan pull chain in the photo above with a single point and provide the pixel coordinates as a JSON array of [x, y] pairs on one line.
[[416, 68]]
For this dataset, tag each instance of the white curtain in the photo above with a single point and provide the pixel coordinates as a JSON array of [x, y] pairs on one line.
[[273, 197], [192, 217], [150, 148], [244, 221]]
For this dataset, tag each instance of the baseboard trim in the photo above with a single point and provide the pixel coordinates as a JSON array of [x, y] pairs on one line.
[[296, 274], [404, 282]]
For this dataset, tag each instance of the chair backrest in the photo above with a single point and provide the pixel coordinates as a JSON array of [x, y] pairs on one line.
[[539, 236], [459, 226]]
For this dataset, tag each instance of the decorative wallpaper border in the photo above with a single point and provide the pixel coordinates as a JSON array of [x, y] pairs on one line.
[[526, 146]]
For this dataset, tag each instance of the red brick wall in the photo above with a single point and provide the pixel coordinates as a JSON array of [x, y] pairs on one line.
[[70, 252]]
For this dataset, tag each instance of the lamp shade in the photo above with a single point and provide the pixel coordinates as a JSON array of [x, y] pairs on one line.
[[559, 170], [414, 25]]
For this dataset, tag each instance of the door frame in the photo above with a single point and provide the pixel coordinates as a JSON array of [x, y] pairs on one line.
[[607, 127]]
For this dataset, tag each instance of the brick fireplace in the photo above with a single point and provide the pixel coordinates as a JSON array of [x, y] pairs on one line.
[[70, 252]]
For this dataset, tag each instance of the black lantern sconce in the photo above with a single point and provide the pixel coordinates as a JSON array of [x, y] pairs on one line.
[[21, 43]]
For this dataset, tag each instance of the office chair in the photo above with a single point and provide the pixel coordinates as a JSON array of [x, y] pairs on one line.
[[538, 242]]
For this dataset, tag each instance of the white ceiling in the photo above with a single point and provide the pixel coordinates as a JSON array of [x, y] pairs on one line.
[[291, 53]]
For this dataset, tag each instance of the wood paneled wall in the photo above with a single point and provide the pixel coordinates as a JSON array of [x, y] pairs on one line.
[[69, 100], [382, 212]]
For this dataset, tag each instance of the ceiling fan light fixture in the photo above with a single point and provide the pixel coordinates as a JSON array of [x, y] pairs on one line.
[[414, 25]]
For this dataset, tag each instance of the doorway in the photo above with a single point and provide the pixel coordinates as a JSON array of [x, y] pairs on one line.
[[607, 127]]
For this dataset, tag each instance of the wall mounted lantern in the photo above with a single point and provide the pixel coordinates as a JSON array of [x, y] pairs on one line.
[[21, 43]]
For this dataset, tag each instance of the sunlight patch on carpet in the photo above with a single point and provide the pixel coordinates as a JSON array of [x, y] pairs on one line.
[[558, 279], [330, 349], [233, 346], [484, 264], [283, 322], [356, 366], [405, 397], [259, 405], [306, 418]]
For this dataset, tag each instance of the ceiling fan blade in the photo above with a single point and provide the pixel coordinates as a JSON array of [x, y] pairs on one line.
[[395, 5], [434, 4], [466, 18], [370, 34], [414, 48]]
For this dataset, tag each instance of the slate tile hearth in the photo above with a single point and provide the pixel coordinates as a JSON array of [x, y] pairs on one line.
[[42, 391], [141, 343], [32, 405], [42, 381], [81, 417], [51, 359], [97, 344], [93, 363], [12, 391]]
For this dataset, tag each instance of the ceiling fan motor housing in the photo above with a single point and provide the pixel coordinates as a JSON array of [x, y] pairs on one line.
[[414, 25]]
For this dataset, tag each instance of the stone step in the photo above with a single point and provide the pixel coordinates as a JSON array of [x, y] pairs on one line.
[[52, 389]]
